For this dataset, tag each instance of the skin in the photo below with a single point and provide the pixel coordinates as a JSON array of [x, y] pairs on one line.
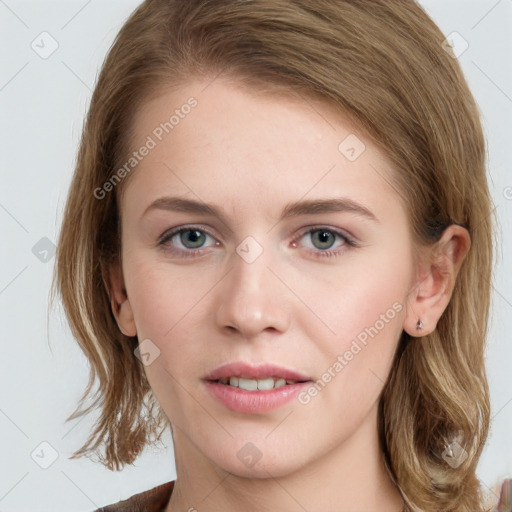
[[250, 155]]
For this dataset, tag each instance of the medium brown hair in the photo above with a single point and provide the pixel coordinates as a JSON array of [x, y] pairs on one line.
[[382, 64]]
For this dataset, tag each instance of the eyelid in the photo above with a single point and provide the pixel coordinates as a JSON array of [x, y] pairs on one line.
[[318, 227], [167, 235], [349, 243], [184, 227]]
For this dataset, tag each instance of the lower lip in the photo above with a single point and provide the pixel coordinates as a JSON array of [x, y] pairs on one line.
[[254, 402]]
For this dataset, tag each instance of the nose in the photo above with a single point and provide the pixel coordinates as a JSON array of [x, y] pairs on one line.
[[251, 299]]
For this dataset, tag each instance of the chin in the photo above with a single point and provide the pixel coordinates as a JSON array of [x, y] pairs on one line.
[[249, 461]]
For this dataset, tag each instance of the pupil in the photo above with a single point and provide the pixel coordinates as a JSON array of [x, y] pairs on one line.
[[324, 238], [192, 238]]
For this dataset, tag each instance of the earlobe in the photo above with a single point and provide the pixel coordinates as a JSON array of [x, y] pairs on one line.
[[119, 302], [433, 289]]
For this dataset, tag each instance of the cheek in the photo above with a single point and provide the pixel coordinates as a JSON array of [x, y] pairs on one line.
[[164, 301], [162, 296], [366, 286], [361, 307]]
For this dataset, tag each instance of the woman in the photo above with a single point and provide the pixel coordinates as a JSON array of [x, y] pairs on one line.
[[278, 241]]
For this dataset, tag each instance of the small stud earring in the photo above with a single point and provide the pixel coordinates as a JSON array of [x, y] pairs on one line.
[[419, 325]]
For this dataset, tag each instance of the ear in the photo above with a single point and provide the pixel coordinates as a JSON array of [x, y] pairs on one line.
[[119, 301], [436, 276]]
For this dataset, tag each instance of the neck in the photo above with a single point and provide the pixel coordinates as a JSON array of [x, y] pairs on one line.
[[351, 476]]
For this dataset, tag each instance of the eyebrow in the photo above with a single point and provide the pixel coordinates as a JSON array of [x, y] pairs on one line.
[[301, 207]]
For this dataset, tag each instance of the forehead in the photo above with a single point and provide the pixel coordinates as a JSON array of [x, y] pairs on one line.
[[241, 148]]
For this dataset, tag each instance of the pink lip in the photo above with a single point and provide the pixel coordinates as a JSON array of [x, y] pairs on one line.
[[241, 369], [254, 402]]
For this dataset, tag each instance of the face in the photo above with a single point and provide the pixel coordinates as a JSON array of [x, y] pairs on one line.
[[262, 231]]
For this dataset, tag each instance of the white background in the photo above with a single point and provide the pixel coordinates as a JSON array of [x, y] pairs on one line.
[[43, 372]]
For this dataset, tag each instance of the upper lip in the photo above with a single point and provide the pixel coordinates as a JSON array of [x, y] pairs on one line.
[[255, 371]]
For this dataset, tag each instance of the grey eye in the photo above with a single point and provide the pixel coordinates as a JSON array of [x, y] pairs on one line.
[[192, 238], [322, 238]]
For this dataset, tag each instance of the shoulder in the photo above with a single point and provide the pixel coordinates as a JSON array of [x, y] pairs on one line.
[[154, 500], [503, 498]]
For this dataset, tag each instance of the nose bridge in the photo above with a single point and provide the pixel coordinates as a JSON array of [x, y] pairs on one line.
[[251, 301]]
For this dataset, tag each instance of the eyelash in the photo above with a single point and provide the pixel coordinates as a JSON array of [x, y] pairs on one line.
[[190, 253]]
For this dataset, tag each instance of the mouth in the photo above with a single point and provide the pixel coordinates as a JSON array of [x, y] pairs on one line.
[[255, 377], [255, 389]]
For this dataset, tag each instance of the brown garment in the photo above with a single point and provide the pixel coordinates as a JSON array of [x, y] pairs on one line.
[[156, 499]]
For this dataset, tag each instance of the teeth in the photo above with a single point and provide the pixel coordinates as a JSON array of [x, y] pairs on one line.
[[281, 382], [248, 384], [255, 384]]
